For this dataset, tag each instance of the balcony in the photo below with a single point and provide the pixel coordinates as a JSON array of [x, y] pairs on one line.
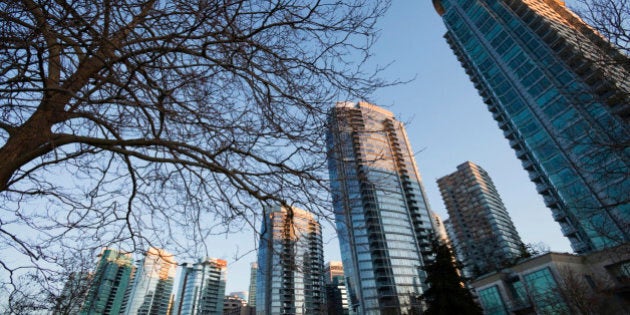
[[509, 134], [541, 187], [568, 229], [558, 214], [535, 177], [516, 145], [580, 247], [550, 201], [528, 165]]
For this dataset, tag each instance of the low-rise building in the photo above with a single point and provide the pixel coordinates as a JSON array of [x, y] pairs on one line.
[[560, 283]]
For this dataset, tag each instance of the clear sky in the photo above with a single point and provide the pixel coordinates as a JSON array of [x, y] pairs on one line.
[[447, 124]]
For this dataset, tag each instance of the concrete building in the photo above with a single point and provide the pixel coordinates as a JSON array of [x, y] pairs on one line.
[[556, 283], [486, 237], [290, 276], [565, 110], [383, 219]]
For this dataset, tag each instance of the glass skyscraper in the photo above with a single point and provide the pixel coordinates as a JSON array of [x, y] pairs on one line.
[[202, 287], [152, 288], [383, 219], [290, 264], [109, 283], [543, 74], [486, 237]]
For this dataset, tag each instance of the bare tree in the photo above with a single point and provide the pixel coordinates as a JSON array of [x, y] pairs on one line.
[[584, 298], [133, 122], [611, 18]]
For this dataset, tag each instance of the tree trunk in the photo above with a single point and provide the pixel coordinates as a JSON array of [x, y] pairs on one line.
[[25, 143]]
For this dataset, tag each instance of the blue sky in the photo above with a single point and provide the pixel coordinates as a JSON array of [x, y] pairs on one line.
[[447, 124]]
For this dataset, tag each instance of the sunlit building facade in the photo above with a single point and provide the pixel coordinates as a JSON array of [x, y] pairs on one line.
[[241, 294], [202, 287], [151, 292], [543, 74], [383, 219], [290, 276], [109, 282], [440, 229], [336, 291], [487, 238]]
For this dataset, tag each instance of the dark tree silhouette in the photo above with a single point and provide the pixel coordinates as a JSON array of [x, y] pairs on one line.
[[447, 293]]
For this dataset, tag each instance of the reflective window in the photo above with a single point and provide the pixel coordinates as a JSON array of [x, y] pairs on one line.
[[544, 292], [491, 301]]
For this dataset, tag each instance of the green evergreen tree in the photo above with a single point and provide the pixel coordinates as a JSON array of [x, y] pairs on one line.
[[447, 293]]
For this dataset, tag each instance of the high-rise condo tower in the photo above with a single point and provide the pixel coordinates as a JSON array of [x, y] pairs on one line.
[[290, 264], [560, 93], [383, 219], [486, 237]]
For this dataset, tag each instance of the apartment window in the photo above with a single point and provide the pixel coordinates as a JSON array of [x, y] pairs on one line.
[[544, 292], [621, 271], [491, 301]]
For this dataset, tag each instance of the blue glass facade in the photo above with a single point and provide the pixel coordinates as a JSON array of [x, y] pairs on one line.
[[544, 292], [532, 292], [383, 219], [492, 302], [202, 287], [151, 292], [535, 65], [290, 277], [109, 283]]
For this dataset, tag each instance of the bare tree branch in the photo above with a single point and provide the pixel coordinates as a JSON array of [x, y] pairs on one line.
[[128, 123]]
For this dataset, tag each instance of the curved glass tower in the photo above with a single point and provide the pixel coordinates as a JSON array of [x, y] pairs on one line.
[[382, 216], [547, 78]]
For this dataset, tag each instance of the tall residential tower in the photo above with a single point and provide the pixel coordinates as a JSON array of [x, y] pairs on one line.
[[202, 287], [544, 75], [152, 288], [109, 283], [253, 273], [383, 219], [290, 264], [486, 237]]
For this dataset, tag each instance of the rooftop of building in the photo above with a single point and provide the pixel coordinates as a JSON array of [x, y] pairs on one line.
[[607, 256], [366, 105]]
